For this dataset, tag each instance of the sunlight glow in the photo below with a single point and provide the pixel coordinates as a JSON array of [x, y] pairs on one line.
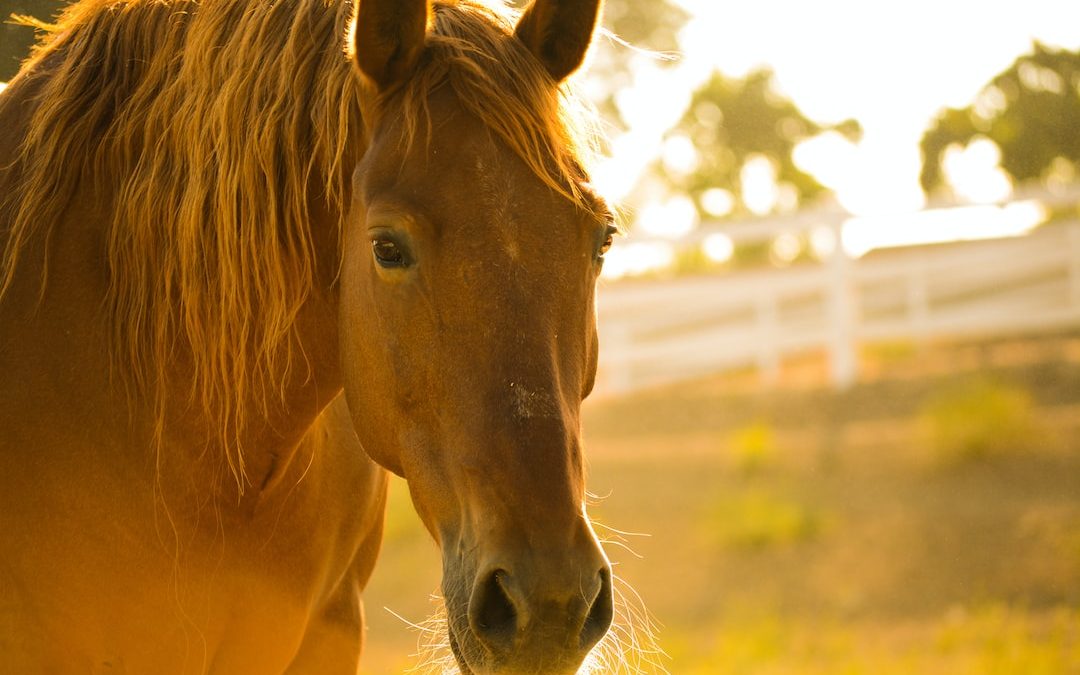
[[785, 249], [990, 103], [672, 219], [679, 155], [616, 176], [1037, 78], [760, 192], [822, 242], [718, 247], [974, 172], [1061, 173], [717, 202], [635, 259], [829, 157], [862, 235]]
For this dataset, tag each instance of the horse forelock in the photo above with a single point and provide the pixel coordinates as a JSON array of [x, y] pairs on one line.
[[471, 48], [211, 127]]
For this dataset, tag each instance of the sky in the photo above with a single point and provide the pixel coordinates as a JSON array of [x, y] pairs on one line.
[[892, 66]]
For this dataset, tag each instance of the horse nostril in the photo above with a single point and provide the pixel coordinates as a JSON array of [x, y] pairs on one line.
[[492, 613], [600, 613]]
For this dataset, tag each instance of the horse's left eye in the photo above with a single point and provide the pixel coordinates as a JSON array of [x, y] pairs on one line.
[[387, 253]]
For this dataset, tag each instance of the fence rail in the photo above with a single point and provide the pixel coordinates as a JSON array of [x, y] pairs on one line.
[[663, 332]]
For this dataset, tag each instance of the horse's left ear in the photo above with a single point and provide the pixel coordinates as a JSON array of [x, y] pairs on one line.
[[388, 39], [558, 32]]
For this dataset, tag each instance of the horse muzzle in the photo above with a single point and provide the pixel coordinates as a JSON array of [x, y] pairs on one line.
[[532, 614]]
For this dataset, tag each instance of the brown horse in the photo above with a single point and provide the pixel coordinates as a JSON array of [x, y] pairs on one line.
[[217, 215]]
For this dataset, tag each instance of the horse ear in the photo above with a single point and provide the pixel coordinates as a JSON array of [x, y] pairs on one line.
[[558, 32], [388, 39]]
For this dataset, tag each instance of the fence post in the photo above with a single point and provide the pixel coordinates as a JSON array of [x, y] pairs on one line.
[[1073, 233], [918, 302], [843, 356]]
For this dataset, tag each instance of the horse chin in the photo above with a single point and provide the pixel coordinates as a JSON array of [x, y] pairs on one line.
[[463, 665], [466, 668]]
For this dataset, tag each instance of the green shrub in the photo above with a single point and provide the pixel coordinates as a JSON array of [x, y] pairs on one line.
[[977, 420], [892, 353], [753, 448], [756, 519]]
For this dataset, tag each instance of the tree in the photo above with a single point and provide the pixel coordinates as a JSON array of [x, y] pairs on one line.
[[732, 124], [634, 27], [651, 24], [1031, 111]]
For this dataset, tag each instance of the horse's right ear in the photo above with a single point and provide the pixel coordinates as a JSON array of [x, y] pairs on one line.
[[388, 39]]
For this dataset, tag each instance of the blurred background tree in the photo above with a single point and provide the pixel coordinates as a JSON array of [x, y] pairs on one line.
[[647, 27], [651, 24], [1031, 112], [737, 131], [15, 40]]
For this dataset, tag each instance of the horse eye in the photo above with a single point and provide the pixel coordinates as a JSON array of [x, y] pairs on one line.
[[609, 239], [387, 253]]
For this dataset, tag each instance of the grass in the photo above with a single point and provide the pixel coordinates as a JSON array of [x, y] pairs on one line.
[[994, 639], [809, 532], [758, 519], [977, 420]]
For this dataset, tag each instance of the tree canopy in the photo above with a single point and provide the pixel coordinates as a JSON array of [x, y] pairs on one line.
[[1031, 111], [731, 122], [651, 26]]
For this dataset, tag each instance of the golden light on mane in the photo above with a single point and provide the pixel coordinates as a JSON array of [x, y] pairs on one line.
[[209, 121], [215, 127]]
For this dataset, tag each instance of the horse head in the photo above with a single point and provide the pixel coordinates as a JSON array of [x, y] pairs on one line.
[[468, 332]]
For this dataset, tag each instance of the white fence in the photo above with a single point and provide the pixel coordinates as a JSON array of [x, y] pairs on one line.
[[662, 332]]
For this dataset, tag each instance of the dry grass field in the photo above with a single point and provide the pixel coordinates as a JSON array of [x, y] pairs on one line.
[[927, 521]]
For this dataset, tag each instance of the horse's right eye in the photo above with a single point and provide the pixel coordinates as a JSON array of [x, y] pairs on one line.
[[388, 253]]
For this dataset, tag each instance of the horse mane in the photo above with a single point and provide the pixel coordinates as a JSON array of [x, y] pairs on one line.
[[215, 125]]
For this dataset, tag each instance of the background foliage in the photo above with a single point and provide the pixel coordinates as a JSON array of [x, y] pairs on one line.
[[730, 121], [1031, 111]]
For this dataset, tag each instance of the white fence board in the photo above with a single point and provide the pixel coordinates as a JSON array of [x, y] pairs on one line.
[[662, 332]]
